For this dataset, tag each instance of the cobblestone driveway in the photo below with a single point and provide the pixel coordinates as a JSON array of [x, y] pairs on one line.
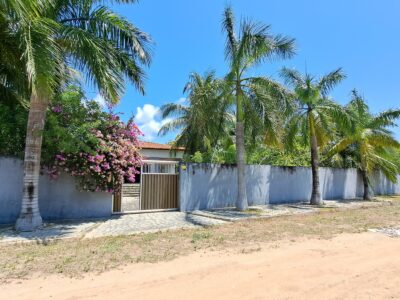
[[156, 221], [117, 225], [147, 222]]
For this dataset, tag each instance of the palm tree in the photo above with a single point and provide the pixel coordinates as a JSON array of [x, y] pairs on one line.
[[202, 121], [314, 116], [13, 78], [253, 45], [368, 142], [53, 37]]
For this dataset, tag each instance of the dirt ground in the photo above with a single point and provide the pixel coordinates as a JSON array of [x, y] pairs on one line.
[[348, 266]]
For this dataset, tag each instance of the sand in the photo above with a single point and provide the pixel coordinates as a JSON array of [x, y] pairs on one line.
[[349, 266]]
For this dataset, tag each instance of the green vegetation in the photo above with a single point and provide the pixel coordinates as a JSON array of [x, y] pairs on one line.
[[246, 103], [69, 125], [44, 44], [201, 122], [252, 97], [367, 144], [254, 119], [13, 118], [238, 118], [79, 138], [313, 117]]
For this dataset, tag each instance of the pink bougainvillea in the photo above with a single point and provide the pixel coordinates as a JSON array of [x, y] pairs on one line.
[[113, 159], [57, 109]]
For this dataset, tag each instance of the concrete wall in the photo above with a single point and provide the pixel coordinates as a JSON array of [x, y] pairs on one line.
[[58, 199], [204, 186]]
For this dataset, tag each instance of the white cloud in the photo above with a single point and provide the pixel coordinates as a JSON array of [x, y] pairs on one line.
[[100, 100], [149, 120], [181, 100], [147, 113]]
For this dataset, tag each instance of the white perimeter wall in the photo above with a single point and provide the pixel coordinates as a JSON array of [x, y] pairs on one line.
[[204, 186], [59, 199]]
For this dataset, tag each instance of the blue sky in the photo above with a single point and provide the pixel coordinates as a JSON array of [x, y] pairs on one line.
[[361, 36]]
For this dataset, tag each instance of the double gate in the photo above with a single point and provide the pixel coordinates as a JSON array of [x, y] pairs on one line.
[[157, 188]]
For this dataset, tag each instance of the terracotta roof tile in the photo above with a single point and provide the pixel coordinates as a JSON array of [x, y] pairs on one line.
[[151, 145]]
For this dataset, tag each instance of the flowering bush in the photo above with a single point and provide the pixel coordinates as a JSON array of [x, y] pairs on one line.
[[115, 159], [79, 138], [95, 147]]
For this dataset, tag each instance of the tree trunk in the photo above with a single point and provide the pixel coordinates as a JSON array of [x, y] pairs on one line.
[[29, 218], [367, 195], [316, 198], [241, 201]]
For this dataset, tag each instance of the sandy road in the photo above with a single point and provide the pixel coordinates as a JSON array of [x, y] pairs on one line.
[[356, 266]]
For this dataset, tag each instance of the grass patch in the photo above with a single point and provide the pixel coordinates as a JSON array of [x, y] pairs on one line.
[[198, 236], [254, 211], [75, 257]]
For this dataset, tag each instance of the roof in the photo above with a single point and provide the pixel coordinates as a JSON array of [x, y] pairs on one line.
[[157, 146]]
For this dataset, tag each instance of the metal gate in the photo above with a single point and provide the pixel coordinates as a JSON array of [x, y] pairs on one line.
[[159, 185], [158, 188]]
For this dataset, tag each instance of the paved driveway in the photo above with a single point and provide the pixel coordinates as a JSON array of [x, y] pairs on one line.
[[150, 222], [117, 225], [156, 221]]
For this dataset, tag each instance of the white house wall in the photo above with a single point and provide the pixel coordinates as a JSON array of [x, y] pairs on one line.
[[158, 153]]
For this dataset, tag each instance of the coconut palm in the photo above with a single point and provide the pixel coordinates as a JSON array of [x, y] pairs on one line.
[[368, 142], [253, 45], [202, 120], [314, 116], [13, 78], [53, 37]]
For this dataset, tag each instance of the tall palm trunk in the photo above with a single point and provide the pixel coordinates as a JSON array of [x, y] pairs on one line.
[[367, 195], [241, 201], [29, 218], [316, 198]]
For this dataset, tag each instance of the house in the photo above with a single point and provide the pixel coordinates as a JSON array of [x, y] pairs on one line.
[[156, 187], [156, 151]]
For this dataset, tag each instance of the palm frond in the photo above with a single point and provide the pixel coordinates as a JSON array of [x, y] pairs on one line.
[[173, 109], [327, 82], [283, 46], [297, 125], [292, 77], [228, 27], [383, 140], [173, 125], [388, 167], [256, 44], [339, 146], [105, 24], [386, 119]]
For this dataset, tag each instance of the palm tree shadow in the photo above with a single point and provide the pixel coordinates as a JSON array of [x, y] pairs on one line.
[[197, 220]]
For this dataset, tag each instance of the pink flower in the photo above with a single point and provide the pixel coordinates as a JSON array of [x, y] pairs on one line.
[[98, 134], [131, 178], [57, 109], [106, 166], [60, 157], [115, 157], [99, 158]]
